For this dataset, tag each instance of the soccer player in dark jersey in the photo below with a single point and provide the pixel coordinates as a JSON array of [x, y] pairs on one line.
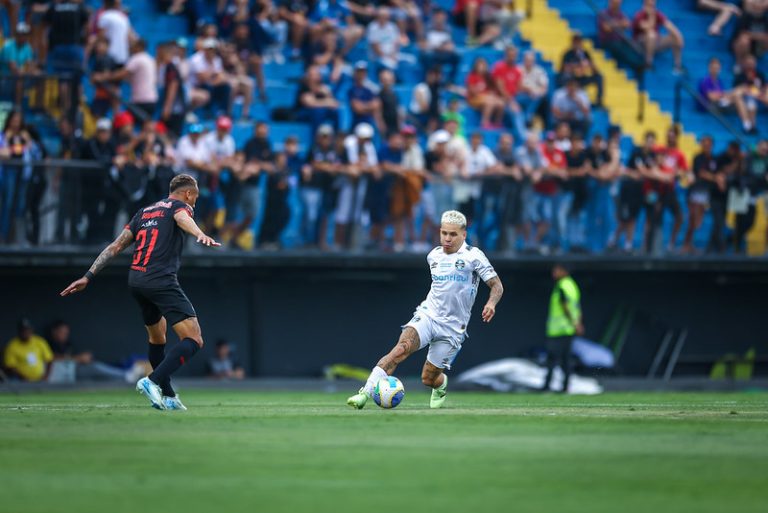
[[158, 232]]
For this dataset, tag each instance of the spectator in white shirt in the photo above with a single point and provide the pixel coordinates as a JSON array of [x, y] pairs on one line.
[[534, 86], [206, 72], [480, 162], [194, 157], [116, 27], [383, 40], [571, 104]]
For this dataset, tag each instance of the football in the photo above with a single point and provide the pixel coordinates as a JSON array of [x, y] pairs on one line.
[[389, 392]]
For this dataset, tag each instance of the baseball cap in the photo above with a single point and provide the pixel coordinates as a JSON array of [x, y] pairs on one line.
[[325, 130], [210, 43], [195, 128], [408, 130], [161, 128], [364, 131], [22, 28], [441, 136], [123, 119], [104, 124], [224, 123], [361, 65]]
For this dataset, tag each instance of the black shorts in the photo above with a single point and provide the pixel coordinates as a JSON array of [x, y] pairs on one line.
[[169, 302], [630, 200]]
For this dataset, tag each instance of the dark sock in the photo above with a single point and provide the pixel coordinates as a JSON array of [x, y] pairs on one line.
[[176, 357], [156, 356]]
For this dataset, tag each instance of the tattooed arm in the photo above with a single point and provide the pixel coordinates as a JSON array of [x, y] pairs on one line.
[[123, 240], [497, 289]]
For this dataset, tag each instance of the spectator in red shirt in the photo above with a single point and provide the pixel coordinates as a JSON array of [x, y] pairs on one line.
[[646, 30], [482, 94], [545, 190], [660, 193], [508, 76]]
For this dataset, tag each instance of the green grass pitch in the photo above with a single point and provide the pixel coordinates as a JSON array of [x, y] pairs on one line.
[[277, 452]]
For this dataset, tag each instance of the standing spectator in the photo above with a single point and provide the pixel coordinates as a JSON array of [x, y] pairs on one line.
[[437, 192], [27, 355], [750, 181], [483, 96], [531, 163], [101, 199], [577, 63], [223, 365], [173, 102], [15, 144], [406, 191], [383, 38], [570, 104], [546, 195], [508, 77], [364, 103], [646, 30], [361, 160], [16, 58], [574, 196], [751, 31], [379, 193], [206, 72], [510, 205], [221, 148], [389, 114], [318, 192], [102, 66], [750, 89], [661, 193], [467, 190], [563, 323], [194, 158], [604, 167], [141, 72], [534, 86], [66, 20], [438, 48], [315, 102], [642, 163], [724, 12], [728, 163], [704, 172], [114, 24], [276, 211]]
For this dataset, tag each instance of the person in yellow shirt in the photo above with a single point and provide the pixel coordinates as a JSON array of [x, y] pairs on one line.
[[27, 356], [564, 322]]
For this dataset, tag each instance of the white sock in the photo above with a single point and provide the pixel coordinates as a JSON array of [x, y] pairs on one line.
[[376, 374]]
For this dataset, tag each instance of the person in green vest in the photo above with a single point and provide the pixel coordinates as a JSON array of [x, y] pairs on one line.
[[563, 323]]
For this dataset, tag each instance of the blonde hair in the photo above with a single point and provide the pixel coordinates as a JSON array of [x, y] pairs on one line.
[[454, 217]]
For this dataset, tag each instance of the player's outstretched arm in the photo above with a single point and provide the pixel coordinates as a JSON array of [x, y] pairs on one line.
[[122, 241], [189, 225], [497, 290]]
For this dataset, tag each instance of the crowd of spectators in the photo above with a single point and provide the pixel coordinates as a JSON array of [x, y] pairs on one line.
[[379, 179]]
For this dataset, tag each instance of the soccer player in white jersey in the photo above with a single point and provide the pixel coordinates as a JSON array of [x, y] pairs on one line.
[[440, 321]]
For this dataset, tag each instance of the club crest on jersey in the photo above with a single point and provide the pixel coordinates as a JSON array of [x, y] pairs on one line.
[[460, 265]]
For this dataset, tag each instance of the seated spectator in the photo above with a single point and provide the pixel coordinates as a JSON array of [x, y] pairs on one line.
[[27, 355], [438, 47], [16, 58], [295, 13], [749, 89], [482, 95], [612, 24], [315, 102], [383, 38], [206, 72], [570, 104], [326, 54], [453, 114], [318, 192], [577, 63], [646, 30], [409, 18], [534, 86], [337, 15], [241, 85], [751, 33], [478, 16], [275, 30], [141, 72], [724, 12], [223, 365], [507, 76], [247, 60], [424, 108], [389, 113], [406, 191], [509, 17], [363, 101]]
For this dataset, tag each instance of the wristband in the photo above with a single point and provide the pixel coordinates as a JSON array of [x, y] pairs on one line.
[[89, 275]]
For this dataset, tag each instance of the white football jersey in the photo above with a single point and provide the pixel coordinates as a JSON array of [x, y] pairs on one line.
[[455, 279]]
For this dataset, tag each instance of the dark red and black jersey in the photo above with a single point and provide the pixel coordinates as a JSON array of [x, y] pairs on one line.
[[158, 244]]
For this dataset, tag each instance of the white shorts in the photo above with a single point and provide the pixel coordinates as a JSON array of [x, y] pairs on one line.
[[350, 201], [444, 343]]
